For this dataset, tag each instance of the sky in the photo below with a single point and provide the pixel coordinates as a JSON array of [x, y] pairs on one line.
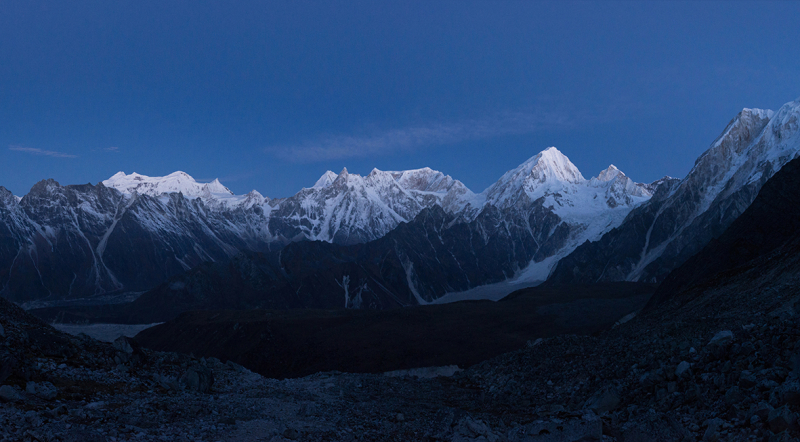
[[268, 95]]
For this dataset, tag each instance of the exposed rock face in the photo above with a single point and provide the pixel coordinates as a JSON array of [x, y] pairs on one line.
[[684, 216]]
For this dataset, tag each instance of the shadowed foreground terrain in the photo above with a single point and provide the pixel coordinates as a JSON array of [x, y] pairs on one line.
[[292, 343]]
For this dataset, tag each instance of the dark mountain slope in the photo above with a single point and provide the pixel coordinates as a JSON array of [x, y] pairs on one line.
[[762, 240]]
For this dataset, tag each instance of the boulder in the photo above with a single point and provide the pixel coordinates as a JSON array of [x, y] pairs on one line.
[[734, 395], [604, 401], [128, 351], [198, 378], [781, 419], [747, 380], [786, 394], [684, 370], [721, 339], [127, 345], [712, 430], [9, 394], [44, 390]]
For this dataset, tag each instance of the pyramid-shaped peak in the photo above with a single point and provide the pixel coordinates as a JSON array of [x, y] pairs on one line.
[[552, 165], [216, 187], [325, 180]]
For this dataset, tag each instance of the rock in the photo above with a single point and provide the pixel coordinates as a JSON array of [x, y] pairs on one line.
[[761, 410], [747, 380], [127, 345], [57, 411], [470, 429], [550, 409], [2, 331], [780, 419], [291, 433], [587, 428], [166, 382], [198, 378], [7, 365], [399, 417], [721, 339], [604, 401], [747, 349], [684, 370], [734, 396], [9, 394], [235, 367], [782, 437], [712, 430], [44, 390], [786, 394]]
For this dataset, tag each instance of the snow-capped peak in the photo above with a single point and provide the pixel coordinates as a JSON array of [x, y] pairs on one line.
[[172, 183], [424, 180], [609, 174], [325, 180], [548, 169]]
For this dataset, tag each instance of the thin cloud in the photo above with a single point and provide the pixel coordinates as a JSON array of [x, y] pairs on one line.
[[112, 149], [396, 140], [37, 151]]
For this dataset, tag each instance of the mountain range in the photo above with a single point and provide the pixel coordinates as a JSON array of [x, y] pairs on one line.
[[382, 240]]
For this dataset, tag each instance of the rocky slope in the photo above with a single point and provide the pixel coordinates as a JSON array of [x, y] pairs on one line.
[[768, 231], [676, 223]]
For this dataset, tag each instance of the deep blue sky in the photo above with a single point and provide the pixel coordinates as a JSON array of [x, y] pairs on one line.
[[269, 95]]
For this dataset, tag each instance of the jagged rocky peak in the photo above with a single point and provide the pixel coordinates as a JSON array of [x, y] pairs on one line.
[[44, 187], [8, 198], [620, 188], [173, 183], [610, 173], [424, 180]]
